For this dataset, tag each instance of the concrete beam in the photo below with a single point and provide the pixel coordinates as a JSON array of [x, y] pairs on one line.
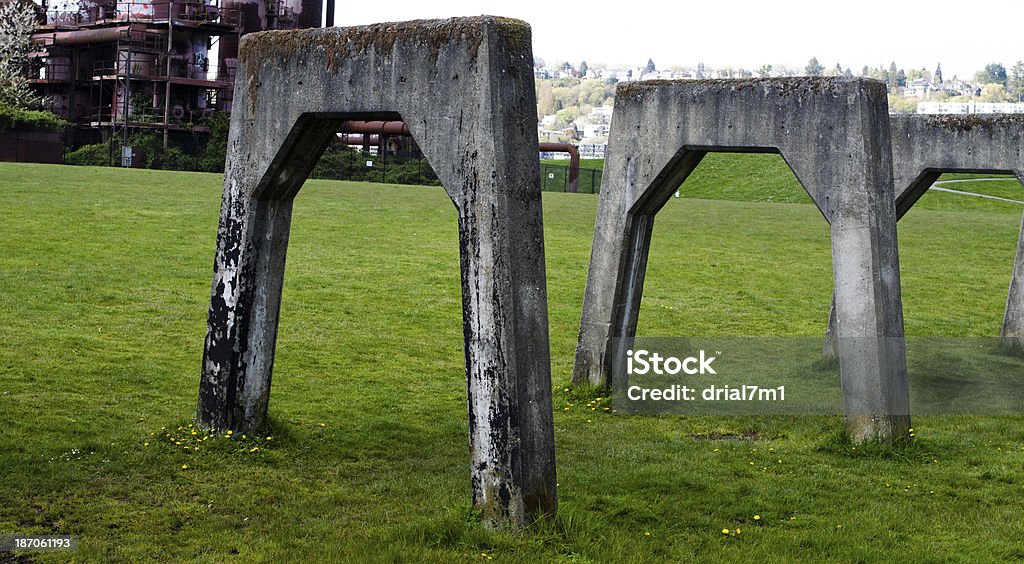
[[924, 147], [834, 134], [465, 89]]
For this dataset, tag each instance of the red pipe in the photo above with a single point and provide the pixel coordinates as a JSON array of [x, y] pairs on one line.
[[357, 138], [81, 37], [574, 160], [379, 127]]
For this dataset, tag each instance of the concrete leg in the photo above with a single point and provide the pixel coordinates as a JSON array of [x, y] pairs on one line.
[[831, 347], [872, 361], [1012, 335]]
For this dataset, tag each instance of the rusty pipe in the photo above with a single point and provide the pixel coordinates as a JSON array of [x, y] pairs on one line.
[[357, 138], [378, 127], [81, 37], [574, 161]]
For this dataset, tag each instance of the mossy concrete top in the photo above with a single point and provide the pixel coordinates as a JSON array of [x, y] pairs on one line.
[[341, 42], [966, 122], [790, 87]]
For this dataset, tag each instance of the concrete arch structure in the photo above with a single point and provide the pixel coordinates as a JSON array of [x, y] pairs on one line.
[[834, 135], [465, 89], [924, 147]]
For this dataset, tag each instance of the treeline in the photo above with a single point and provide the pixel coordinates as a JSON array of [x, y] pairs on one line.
[[569, 98]]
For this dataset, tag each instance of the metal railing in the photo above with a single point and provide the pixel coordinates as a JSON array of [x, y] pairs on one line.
[[195, 11]]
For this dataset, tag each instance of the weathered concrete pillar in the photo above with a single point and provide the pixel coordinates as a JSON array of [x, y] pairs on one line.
[[924, 147], [834, 134], [465, 89]]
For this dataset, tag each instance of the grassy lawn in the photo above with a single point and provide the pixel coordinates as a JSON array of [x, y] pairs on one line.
[[104, 284]]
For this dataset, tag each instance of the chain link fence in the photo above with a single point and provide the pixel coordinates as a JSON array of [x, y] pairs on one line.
[[555, 178]]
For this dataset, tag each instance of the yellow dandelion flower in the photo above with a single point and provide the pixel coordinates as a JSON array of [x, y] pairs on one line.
[[270, 438], [757, 517], [184, 466], [647, 534], [725, 531]]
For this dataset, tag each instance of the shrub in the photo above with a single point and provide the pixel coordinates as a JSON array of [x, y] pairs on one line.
[[17, 118]]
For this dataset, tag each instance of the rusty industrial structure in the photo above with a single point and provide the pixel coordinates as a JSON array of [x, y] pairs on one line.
[[160, 65]]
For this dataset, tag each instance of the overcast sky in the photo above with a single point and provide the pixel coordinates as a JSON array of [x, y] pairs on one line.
[[964, 36]]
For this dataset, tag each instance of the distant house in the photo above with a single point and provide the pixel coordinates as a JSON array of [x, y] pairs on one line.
[[601, 114], [919, 88], [589, 129]]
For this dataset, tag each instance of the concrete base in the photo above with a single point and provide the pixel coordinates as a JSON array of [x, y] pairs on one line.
[[465, 89], [924, 147], [834, 134]]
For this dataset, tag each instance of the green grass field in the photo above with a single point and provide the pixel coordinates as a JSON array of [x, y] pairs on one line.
[[104, 285]]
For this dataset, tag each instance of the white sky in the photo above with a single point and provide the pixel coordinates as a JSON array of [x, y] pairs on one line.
[[963, 36]]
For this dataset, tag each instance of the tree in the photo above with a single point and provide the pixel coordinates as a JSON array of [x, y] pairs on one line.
[[545, 98], [215, 152], [917, 74], [1017, 79], [583, 69], [765, 71], [813, 67], [892, 77], [650, 66], [994, 73], [938, 73], [901, 78], [993, 92], [17, 21]]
